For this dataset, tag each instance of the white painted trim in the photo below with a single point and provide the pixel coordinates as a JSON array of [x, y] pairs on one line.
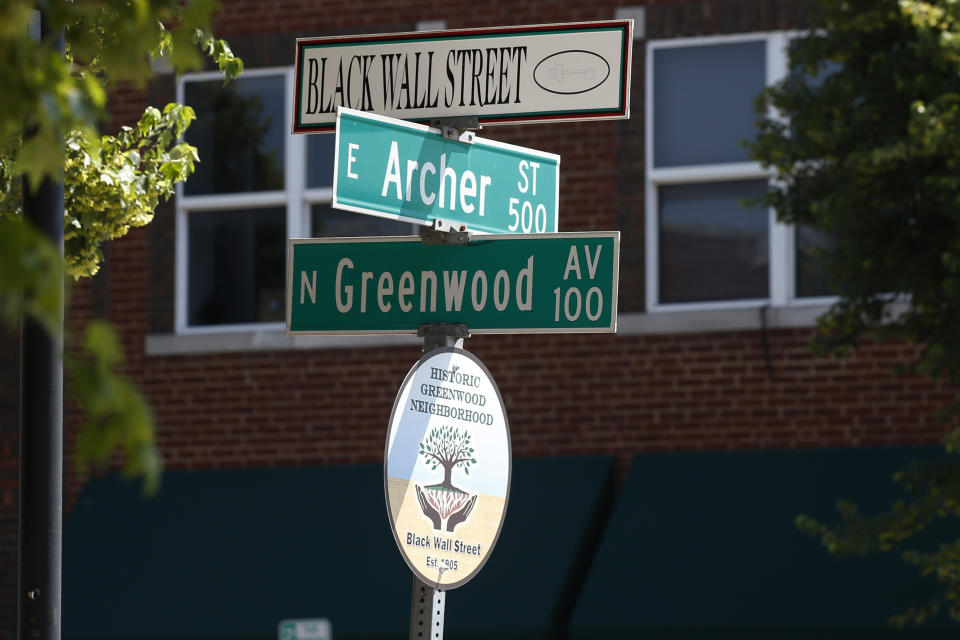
[[253, 339], [181, 240], [781, 239], [695, 41], [322, 195], [639, 17], [295, 170], [295, 198], [216, 329], [238, 200], [179, 245], [652, 213], [201, 76], [708, 173], [781, 260], [652, 245], [431, 25], [709, 305], [743, 319]]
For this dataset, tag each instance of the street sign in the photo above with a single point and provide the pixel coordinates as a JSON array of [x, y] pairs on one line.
[[559, 283], [406, 171], [501, 75], [447, 467], [309, 629]]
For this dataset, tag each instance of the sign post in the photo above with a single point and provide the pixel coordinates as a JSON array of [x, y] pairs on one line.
[[449, 419], [500, 75], [406, 171]]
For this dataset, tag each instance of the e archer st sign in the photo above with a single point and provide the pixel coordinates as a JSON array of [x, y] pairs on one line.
[[499, 75]]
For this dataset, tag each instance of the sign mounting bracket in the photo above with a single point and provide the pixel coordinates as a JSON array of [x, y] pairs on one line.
[[461, 129], [442, 232], [443, 334]]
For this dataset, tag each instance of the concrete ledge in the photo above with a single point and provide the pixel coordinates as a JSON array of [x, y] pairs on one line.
[[628, 324], [263, 340], [719, 320]]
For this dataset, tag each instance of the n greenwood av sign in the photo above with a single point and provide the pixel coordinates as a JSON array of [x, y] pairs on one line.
[[560, 282], [500, 75]]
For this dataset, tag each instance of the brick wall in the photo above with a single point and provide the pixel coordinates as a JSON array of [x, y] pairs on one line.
[[565, 394]]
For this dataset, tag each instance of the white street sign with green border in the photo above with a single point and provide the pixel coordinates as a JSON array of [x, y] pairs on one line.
[[500, 75]]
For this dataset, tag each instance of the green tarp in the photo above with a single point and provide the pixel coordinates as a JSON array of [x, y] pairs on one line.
[[703, 545], [229, 553], [698, 545]]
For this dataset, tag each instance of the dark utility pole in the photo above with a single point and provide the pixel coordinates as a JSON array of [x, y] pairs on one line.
[[41, 434]]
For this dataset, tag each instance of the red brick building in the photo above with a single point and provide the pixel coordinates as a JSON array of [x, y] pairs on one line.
[[708, 373]]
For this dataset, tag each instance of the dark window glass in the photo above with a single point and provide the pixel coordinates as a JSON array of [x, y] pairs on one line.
[[327, 222], [813, 250], [320, 160], [711, 246], [703, 102], [238, 133], [236, 271]]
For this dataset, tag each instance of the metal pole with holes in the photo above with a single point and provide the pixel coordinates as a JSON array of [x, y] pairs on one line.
[[426, 611], [427, 602]]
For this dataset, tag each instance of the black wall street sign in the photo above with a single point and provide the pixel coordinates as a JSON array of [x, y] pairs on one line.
[[501, 75]]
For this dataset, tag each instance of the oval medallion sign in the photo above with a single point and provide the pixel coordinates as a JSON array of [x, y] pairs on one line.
[[571, 72], [447, 467]]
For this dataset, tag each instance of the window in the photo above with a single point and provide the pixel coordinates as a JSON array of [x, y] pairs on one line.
[[255, 186], [705, 249]]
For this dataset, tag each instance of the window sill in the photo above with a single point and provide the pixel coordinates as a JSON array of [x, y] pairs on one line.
[[261, 340], [703, 320], [628, 324]]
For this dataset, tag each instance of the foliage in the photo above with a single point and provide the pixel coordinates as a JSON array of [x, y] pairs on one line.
[[31, 276], [449, 448], [107, 42], [866, 145], [50, 110], [114, 184], [116, 416]]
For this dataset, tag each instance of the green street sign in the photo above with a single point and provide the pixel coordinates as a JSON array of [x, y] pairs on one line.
[[560, 283], [308, 629], [405, 171]]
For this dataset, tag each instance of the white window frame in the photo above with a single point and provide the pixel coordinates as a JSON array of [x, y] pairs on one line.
[[294, 196], [782, 237]]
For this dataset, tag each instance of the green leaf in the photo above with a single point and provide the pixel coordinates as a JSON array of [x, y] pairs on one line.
[[115, 413], [102, 340]]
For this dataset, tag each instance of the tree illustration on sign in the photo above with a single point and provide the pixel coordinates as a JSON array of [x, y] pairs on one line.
[[450, 449]]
